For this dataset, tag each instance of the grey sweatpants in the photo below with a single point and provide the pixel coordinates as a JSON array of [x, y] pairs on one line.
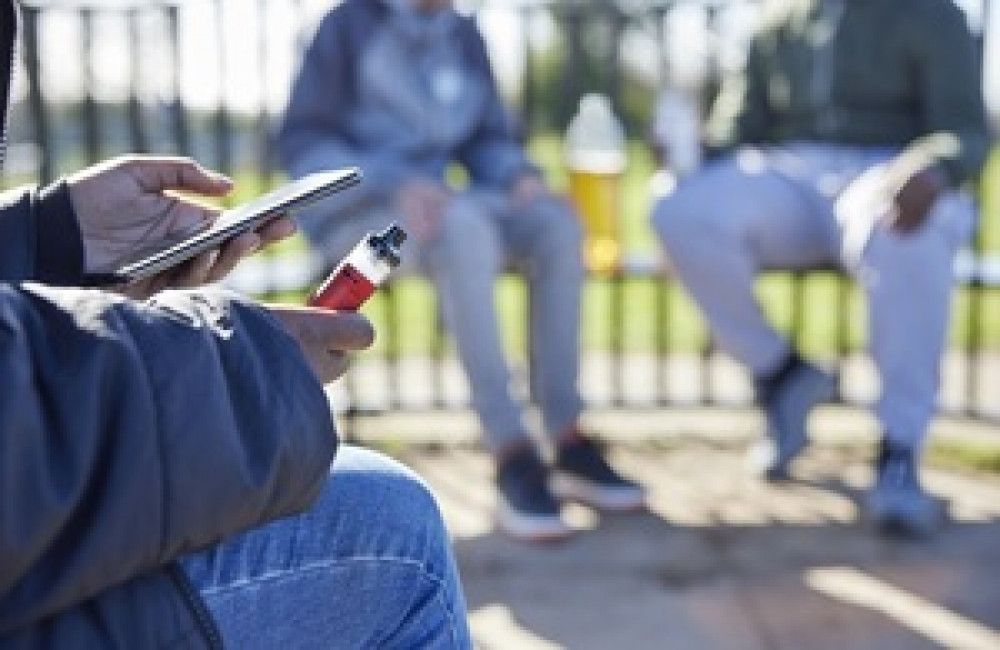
[[482, 233], [774, 208]]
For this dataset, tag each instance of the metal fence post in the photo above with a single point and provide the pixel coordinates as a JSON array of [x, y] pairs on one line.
[[36, 98]]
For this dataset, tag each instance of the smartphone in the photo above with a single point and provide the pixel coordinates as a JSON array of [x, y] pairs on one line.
[[238, 220]]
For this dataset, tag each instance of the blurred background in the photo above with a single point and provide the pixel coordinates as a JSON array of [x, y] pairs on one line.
[[209, 78], [720, 560]]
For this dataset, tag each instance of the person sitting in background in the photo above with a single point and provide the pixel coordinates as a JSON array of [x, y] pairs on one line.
[[165, 461], [847, 137], [404, 89]]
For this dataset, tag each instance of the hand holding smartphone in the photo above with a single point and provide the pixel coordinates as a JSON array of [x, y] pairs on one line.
[[233, 222]]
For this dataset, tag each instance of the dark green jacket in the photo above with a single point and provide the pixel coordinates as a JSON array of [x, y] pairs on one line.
[[894, 73]]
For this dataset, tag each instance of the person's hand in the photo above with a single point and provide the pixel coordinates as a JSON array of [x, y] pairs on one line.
[[528, 188], [422, 204], [130, 203], [325, 337], [916, 195]]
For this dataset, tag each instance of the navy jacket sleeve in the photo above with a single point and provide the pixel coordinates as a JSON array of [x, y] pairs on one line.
[[131, 433], [40, 237], [951, 95]]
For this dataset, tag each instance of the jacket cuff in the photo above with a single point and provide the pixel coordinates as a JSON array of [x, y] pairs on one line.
[[954, 171], [59, 244], [942, 150]]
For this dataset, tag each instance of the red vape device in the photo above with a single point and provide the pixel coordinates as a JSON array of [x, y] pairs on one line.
[[365, 268]]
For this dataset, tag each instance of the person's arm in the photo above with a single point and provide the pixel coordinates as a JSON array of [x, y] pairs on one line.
[[41, 239], [312, 135], [950, 96], [131, 433], [494, 155], [952, 112], [741, 114]]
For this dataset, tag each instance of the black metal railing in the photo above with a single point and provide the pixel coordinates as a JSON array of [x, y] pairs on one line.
[[152, 53]]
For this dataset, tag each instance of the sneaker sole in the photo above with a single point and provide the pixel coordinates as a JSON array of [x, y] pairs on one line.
[[609, 499], [530, 528]]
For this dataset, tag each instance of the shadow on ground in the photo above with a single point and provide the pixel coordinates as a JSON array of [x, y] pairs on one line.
[[723, 561]]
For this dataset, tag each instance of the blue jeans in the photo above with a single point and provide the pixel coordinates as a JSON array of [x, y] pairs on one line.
[[368, 566]]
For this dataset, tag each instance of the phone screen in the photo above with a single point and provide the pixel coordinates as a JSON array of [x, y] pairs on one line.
[[235, 221]]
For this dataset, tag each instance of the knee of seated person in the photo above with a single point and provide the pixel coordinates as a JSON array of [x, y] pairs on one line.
[[465, 223], [559, 228], [380, 489], [679, 216]]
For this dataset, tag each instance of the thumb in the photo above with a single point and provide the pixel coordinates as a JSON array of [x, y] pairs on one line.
[[177, 173]]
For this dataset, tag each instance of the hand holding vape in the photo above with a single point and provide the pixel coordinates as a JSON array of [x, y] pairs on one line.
[[368, 264]]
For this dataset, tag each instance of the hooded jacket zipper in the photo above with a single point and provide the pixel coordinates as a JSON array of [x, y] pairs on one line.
[[201, 614]]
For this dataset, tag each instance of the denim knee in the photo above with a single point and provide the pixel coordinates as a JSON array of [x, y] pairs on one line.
[[388, 508]]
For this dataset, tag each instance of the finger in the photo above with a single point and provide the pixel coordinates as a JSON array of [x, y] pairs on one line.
[[231, 253], [331, 365], [908, 212], [138, 290], [326, 330], [344, 331], [194, 272], [187, 218], [175, 173], [276, 230], [907, 224]]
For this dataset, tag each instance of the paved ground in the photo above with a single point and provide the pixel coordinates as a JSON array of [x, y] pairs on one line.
[[722, 561]]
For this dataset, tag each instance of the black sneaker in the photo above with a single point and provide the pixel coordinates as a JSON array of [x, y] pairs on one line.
[[582, 474], [897, 505], [526, 508], [786, 399]]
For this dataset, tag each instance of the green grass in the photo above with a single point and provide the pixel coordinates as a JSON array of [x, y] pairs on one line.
[[965, 456], [989, 195]]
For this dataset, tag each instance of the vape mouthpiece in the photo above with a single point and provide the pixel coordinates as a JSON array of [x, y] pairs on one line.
[[386, 244]]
